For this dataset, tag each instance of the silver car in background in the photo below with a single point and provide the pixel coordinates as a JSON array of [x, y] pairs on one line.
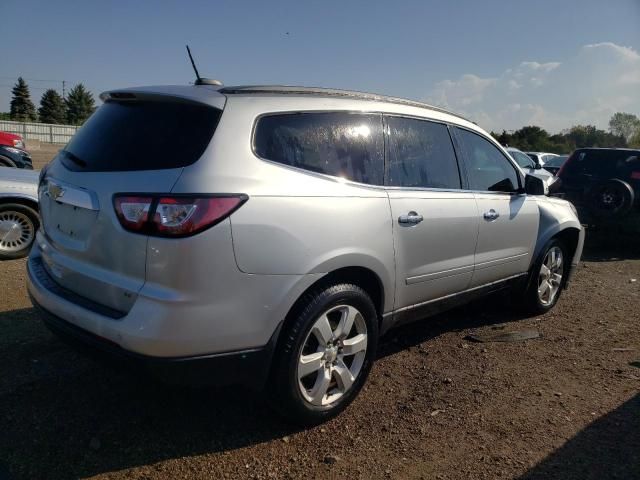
[[531, 168], [19, 218], [541, 157], [269, 235]]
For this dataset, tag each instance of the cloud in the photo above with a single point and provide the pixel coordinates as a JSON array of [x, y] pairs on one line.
[[587, 88]]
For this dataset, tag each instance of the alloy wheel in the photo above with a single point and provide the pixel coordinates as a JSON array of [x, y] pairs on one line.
[[550, 276], [332, 355]]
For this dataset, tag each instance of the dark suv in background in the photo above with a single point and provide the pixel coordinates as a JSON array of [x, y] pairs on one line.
[[603, 183]]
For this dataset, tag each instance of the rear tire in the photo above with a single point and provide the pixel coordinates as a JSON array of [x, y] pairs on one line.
[[325, 354], [18, 227], [547, 279]]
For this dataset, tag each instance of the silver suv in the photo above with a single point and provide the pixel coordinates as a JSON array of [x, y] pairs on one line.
[[269, 235]]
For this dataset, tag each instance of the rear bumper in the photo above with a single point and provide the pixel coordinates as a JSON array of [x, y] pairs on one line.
[[247, 367], [157, 338]]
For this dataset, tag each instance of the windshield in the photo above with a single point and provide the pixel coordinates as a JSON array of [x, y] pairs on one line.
[[522, 159]]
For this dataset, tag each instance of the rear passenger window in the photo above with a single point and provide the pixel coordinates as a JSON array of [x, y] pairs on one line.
[[488, 169], [421, 155], [347, 145]]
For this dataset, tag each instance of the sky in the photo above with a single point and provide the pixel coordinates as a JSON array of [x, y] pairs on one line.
[[504, 64]]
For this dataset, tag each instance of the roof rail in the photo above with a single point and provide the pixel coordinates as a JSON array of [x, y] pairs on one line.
[[330, 92]]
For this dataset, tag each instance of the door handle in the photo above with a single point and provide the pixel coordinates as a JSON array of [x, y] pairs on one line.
[[491, 215], [411, 218]]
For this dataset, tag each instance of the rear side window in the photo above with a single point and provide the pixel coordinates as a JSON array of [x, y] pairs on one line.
[[488, 169], [142, 136], [347, 145], [421, 154]]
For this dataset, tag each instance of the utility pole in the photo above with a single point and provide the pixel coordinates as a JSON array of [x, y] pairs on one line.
[[64, 97]]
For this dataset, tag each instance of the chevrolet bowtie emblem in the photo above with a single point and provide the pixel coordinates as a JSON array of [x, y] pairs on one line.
[[55, 191]]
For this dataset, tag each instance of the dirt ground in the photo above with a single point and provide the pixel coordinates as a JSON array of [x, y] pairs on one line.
[[43, 153], [436, 406]]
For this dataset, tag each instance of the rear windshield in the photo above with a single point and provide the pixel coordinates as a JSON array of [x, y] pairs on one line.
[[141, 136], [604, 163]]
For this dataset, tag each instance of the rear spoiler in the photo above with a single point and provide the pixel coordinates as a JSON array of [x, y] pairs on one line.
[[204, 94]]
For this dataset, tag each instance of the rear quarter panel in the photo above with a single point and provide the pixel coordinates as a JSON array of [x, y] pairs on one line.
[[295, 222]]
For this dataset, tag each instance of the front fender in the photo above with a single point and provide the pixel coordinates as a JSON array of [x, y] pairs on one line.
[[557, 216]]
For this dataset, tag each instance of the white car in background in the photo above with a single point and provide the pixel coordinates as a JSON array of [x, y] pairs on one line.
[[541, 157], [532, 168]]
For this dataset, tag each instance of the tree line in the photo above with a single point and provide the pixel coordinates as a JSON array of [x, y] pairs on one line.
[[624, 131], [624, 128], [74, 109]]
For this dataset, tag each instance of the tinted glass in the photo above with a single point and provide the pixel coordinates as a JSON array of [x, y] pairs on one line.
[[556, 161], [141, 136], [347, 145], [603, 163], [488, 169], [421, 154], [522, 159]]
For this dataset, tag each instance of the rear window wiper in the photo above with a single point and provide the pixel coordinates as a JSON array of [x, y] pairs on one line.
[[74, 158]]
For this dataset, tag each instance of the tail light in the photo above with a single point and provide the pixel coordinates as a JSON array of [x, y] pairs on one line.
[[174, 216]]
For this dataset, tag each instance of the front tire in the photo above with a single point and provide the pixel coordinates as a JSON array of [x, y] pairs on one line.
[[325, 354], [547, 279], [18, 227]]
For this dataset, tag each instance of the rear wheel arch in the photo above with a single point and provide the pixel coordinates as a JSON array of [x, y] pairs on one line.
[[362, 277], [32, 204]]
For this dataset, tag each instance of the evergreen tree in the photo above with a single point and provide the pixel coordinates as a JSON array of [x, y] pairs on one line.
[[80, 105], [52, 108], [22, 108]]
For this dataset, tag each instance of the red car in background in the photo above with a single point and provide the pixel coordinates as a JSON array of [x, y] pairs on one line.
[[13, 152]]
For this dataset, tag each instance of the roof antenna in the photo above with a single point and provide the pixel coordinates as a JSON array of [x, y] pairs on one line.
[[199, 79]]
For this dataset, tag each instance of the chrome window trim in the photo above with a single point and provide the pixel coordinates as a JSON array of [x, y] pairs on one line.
[[333, 178], [353, 183]]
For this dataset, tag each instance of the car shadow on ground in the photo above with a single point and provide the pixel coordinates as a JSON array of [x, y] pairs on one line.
[[498, 311], [65, 416], [609, 448]]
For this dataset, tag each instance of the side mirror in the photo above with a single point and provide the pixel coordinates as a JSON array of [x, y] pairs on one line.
[[537, 166], [534, 185]]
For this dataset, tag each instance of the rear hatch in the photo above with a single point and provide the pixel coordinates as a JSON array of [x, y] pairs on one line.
[[137, 142]]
